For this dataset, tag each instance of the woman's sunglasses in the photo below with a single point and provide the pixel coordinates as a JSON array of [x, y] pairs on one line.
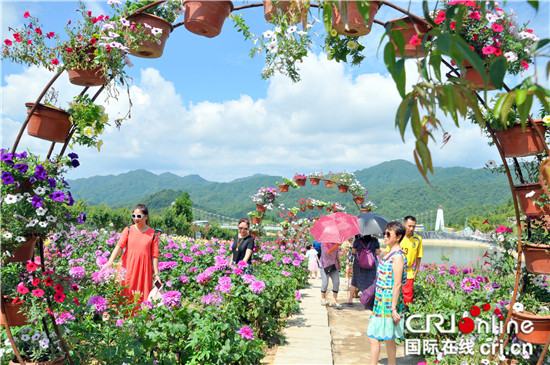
[[138, 216], [387, 234]]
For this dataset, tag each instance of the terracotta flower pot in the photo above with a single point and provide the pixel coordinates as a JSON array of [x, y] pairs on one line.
[[329, 184], [363, 210], [358, 200], [527, 204], [474, 77], [302, 209], [314, 180], [309, 206], [87, 77], [540, 325], [356, 23], [260, 208], [409, 28], [206, 18], [343, 188], [49, 123], [256, 220], [537, 258], [25, 251], [254, 234], [150, 49], [59, 361], [320, 207], [13, 316], [301, 182], [284, 7], [283, 188], [518, 143]]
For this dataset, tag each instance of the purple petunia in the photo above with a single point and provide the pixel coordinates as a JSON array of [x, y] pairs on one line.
[[52, 182], [57, 196], [246, 332], [82, 218], [171, 298], [7, 178], [77, 272], [22, 167], [36, 201], [469, 284], [40, 173], [72, 155], [257, 286], [7, 158], [99, 303]]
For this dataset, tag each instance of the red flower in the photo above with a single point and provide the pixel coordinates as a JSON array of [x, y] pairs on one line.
[[525, 65], [76, 302], [17, 301], [440, 17], [415, 40], [50, 312], [529, 31], [89, 12], [108, 49], [94, 20], [50, 34], [69, 22], [55, 61], [17, 37], [22, 289], [26, 15], [497, 27], [36, 281], [38, 30], [31, 266], [100, 18], [498, 52], [486, 221], [59, 297], [48, 281], [69, 50], [38, 293], [488, 50], [29, 41], [93, 40], [7, 42], [476, 15], [58, 288], [471, 47], [453, 25]]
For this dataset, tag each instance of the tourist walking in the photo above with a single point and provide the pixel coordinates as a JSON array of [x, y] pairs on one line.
[[330, 268], [243, 243], [387, 322], [412, 247], [313, 261], [363, 278], [139, 245]]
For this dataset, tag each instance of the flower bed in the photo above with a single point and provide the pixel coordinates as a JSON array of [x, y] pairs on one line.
[[210, 312]]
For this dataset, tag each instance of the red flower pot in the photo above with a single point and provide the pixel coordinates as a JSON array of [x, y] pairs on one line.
[[516, 142], [527, 204], [537, 258], [256, 220], [540, 325], [358, 200], [87, 77], [150, 49], [314, 180], [283, 188], [25, 251], [260, 208], [409, 28], [284, 7], [329, 184], [49, 123], [301, 182], [475, 77], [356, 23], [206, 18], [13, 316], [343, 188]]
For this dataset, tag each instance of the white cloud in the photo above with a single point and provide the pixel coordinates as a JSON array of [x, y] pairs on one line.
[[328, 121]]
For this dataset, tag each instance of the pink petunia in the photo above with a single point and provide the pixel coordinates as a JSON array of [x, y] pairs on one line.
[[26, 14], [38, 293], [415, 40], [257, 286], [246, 332], [22, 289], [475, 15], [525, 65], [497, 27], [31, 266], [488, 50]]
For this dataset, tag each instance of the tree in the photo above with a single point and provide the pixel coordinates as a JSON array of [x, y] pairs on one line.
[[182, 206]]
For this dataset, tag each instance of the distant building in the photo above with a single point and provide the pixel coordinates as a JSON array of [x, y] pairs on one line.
[[201, 223]]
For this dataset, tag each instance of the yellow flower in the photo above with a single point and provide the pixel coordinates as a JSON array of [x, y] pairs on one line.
[[546, 119], [352, 45], [333, 33], [88, 132], [99, 144], [47, 242]]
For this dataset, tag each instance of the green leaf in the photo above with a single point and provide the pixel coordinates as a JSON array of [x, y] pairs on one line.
[[521, 94], [497, 72], [400, 77], [540, 44], [398, 40], [327, 16], [443, 42], [404, 114], [506, 105], [449, 97], [525, 106], [435, 62], [534, 4], [416, 125], [364, 9]]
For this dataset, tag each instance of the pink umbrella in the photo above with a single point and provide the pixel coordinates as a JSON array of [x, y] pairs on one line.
[[336, 227]]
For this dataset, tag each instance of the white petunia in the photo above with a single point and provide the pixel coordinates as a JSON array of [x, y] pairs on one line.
[[537, 280], [44, 343], [18, 197], [108, 26], [530, 194], [88, 132], [43, 224], [20, 239], [491, 18], [25, 337], [147, 26], [32, 223], [292, 29], [518, 307], [41, 211], [36, 337], [10, 199], [156, 31], [29, 199], [278, 30], [26, 195], [7, 235], [272, 47], [51, 218], [511, 56], [113, 34], [40, 190], [116, 2], [352, 45], [124, 22], [267, 34]]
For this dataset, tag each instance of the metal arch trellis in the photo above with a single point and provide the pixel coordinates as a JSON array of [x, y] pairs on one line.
[[452, 71]]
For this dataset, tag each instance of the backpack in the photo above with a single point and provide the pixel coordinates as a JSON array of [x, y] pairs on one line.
[[366, 257]]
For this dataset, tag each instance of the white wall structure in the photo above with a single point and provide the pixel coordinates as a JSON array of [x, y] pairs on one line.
[[439, 221]]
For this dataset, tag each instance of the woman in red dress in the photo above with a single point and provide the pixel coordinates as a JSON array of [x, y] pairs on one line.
[[140, 246]]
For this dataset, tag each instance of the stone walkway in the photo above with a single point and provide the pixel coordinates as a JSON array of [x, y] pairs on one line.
[[324, 335]]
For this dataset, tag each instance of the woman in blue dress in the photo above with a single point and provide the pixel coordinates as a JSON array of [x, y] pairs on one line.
[[387, 322]]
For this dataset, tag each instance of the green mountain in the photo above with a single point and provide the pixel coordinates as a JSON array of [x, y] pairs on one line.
[[396, 187]]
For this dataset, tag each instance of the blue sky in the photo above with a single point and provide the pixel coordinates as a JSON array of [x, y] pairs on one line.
[[202, 108]]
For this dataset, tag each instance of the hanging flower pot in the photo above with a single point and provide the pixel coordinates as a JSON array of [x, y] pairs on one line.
[[516, 142], [256, 220], [149, 48], [25, 251], [356, 24], [254, 234], [320, 207], [58, 361], [474, 77], [260, 208], [283, 7], [309, 206], [302, 209], [329, 184], [343, 188], [301, 182], [13, 316], [86, 77], [364, 210], [358, 200], [283, 188], [314, 180], [413, 31], [206, 18], [537, 258], [540, 326], [49, 123], [527, 194]]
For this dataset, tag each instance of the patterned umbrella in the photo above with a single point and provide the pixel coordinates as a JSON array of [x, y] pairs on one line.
[[336, 227]]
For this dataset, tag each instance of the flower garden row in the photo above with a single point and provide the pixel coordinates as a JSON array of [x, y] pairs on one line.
[[210, 312]]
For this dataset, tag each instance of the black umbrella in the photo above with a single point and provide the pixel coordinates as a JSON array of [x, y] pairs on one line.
[[371, 223]]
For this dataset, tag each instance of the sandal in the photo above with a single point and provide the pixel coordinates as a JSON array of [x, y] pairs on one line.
[[323, 302]]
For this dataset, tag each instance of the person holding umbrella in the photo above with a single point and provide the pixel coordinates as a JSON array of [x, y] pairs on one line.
[[387, 322]]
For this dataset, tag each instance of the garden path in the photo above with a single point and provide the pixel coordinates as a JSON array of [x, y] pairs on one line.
[[324, 335]]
